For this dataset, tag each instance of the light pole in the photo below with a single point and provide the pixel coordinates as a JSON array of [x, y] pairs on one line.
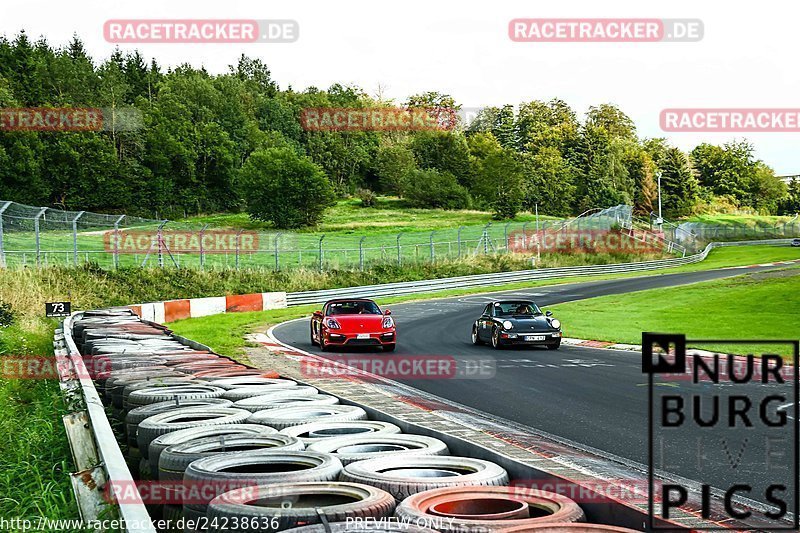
[[660, 219]]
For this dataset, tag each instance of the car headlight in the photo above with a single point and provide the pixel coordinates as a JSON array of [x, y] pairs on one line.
[[332, 323], [556, 323], [388, 322], [507, 324]]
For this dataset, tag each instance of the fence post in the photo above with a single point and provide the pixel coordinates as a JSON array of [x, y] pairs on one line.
[[321, 252], [459, 241], [505, 236], [160, 237], [75, 238], [277, 256], [361, 253], [2, 249], [202, 249], [36, 230], [537, 217], [433, 250], [399, 257], [525, 235], [486, 238], [116, 242], [238, 235]]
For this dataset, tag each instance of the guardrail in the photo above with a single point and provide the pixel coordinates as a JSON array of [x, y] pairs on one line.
[[94, 447], [499, 278]]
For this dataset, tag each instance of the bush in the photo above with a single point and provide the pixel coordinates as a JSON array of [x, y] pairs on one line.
[[367, 197], [285, 188], [6, 315], [431, 188]]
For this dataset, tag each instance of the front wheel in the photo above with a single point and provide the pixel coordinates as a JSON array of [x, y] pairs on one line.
[[476, 340], [313, 342], [389, 347], [554, 345], [496, 342]]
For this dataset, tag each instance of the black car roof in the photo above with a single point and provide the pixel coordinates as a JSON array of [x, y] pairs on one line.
[[336, 300], [520, 301]]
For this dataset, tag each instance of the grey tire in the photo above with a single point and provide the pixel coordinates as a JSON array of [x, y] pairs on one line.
[[265, 504], [403, 476], [318, 431], [187, 392], [183, 418], [135, 416], [162, 442], [359, 448], [294, 416], [261, 403], [241, 393], [254, 381], [242, 469], [173, 461]]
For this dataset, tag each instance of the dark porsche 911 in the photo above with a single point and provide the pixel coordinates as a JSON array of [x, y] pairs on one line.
[[516, 322]]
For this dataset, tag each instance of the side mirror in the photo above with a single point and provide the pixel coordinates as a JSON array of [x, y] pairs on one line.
[[318, 313], [387, 312], [548, 313]]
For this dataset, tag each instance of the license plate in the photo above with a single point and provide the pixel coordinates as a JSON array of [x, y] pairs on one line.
[[362, 336], [534, 337]]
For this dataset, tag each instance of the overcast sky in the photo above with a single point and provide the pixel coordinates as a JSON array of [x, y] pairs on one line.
[[748, 57]]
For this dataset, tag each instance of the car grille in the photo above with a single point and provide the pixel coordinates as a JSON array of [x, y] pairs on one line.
[[363, 342]]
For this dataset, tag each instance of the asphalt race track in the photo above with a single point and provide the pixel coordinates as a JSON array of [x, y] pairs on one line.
[[595, 397]]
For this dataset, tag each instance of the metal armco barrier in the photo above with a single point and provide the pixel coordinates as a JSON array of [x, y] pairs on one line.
[[499, 278]]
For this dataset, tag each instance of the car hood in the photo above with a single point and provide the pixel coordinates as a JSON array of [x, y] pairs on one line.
[[536, 323], [356, 323]]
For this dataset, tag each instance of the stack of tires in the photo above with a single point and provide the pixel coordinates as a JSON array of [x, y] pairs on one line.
[[237, 449]]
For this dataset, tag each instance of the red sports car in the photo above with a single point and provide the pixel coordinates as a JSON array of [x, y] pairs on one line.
[[353, 322]]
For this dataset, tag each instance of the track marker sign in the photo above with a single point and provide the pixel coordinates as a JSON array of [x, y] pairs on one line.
[[729, 423], [57, 309]]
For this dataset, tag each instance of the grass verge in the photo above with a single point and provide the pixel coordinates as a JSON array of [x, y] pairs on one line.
[[761, 305], [34, 453]]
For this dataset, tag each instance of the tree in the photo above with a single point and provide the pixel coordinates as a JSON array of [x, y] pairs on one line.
[[393, 164], [549, 182], [679, 187], [611, 119], [497, 176], [285, 188], [443, 151], [431, 188]]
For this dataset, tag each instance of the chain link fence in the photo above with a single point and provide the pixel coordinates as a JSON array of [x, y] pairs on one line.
[[37, 237]]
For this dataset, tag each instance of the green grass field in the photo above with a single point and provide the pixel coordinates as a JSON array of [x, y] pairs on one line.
[[753, 306]]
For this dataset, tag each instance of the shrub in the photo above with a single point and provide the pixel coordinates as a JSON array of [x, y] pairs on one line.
[[431, 188], [285, 188], [367, 197], [6, 315]]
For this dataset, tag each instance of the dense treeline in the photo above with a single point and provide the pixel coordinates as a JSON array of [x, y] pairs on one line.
[[234, 141]]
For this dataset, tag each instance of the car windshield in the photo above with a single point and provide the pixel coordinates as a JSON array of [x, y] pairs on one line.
[[516, 309], [355, 307]]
